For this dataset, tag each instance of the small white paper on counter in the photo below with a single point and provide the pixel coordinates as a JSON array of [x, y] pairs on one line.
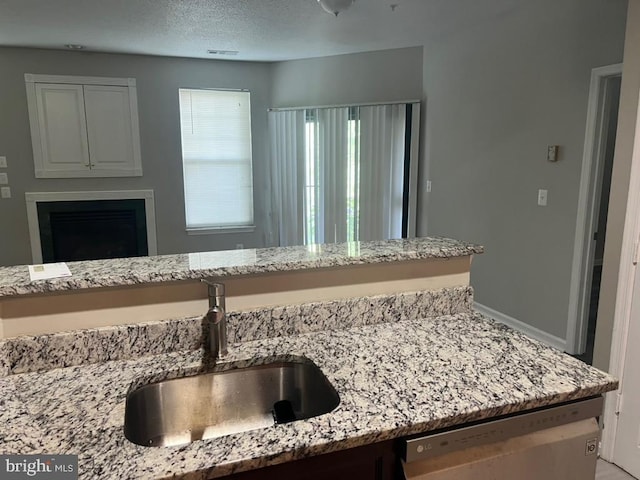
[[49, 270]]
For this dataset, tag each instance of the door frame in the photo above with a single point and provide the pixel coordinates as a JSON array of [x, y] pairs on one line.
[[588, 201], [624, 297]]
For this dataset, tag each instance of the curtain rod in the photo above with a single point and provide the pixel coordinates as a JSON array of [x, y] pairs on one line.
[[285, 109], [216, 89]]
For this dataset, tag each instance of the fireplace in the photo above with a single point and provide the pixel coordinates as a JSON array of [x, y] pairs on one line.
[[73, 227], [92, 230]]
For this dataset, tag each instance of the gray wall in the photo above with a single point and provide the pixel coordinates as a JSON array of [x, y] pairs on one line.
[[158, 80], [381, 76], [496, 96]]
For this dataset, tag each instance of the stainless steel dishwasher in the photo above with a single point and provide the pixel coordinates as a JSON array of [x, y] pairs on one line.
[[554, 443]]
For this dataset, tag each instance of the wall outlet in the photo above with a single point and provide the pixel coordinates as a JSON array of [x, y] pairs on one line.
[[542, 198], [428, 186], [5, 192], [552, 153], [239, 246], [3, 162], [4, 179]]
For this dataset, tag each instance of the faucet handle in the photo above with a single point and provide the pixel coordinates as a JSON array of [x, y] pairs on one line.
[[215, 289]]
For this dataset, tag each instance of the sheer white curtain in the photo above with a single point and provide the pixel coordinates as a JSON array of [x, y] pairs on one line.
[[338, 174], [382, 144], [286, 131], [333, 159]]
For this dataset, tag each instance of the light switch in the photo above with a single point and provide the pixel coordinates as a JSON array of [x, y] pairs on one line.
[[5, 192], [3, 162], [552, 153], [4, 179], [542, 198]]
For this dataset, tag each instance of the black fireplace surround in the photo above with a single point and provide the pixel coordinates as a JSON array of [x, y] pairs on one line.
[[92, 229]]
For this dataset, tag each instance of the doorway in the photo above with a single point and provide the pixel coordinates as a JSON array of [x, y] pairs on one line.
[[610, 105], [600, 138]]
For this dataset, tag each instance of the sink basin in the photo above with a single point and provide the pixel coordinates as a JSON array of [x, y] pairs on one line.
[[182, 410]]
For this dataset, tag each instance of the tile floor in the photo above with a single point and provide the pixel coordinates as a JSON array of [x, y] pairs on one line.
[[608, 471]]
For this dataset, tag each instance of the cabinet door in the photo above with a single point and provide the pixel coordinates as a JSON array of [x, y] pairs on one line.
[[62, 130], [371, 462], [113, 147]]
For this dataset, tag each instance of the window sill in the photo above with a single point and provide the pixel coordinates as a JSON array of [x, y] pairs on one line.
[[216, 230]]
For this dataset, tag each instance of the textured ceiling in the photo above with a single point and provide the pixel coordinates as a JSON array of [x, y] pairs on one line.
[[267, 30]]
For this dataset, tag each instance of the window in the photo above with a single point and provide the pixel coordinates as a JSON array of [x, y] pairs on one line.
[[314, 211], [216, 158], [311, 172], [344, 174]]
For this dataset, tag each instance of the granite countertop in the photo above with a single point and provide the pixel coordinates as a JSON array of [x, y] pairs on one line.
[[194, 266], [393, 379]]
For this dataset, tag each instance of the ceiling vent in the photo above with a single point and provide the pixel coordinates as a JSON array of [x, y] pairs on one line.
[[222, 52]]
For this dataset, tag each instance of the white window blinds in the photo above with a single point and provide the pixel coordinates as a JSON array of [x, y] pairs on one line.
[[216, 158], [343, 174]]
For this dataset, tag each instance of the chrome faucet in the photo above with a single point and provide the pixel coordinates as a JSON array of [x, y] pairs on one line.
[[216, 319]]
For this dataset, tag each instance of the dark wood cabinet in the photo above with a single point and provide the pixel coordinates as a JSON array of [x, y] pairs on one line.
[[377, 461]]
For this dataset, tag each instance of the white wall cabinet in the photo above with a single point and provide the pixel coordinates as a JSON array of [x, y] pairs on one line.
[[84, 126]]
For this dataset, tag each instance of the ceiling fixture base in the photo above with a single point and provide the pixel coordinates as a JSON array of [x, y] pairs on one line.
[[335, 6]]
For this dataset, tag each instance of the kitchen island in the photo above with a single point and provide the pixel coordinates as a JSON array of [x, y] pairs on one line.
[[404, 361], [14, 281], [121, 291], [394, 379]]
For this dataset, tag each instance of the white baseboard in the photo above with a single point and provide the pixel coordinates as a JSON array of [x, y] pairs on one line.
[[527, 329]]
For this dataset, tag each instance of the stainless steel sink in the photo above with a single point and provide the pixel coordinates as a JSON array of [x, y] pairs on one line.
[[182, 410]]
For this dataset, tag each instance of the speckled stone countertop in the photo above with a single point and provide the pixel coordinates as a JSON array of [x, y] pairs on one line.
[[193, 266], [393, 379]]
